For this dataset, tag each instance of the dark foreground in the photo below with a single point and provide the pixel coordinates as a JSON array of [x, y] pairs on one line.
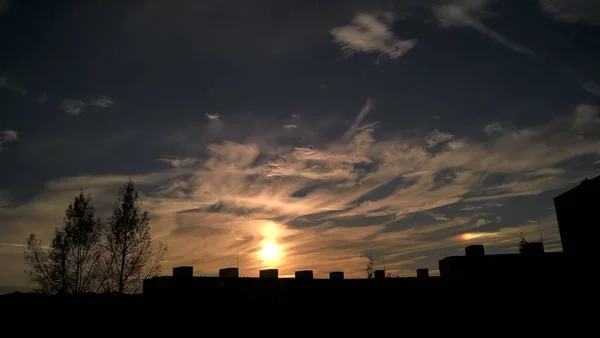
[[543, 306]]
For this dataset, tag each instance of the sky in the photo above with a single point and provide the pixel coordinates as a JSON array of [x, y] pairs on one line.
[[299, 134]]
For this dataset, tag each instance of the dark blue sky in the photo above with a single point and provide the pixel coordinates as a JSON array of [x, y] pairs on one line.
[[407, 129]]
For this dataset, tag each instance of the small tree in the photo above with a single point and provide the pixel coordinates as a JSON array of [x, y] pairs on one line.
[[130, 255], [522, 244], [369, 269], [72, 262]]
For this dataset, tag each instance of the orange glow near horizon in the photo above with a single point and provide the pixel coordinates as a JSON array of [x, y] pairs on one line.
[[474, 235]]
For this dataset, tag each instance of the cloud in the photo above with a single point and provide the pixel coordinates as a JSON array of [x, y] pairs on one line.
[[573, 11], [436, 137], [440, 217], [290, 126], [592, 88], [497, 128], [4, 83], [4, 198], [370, 33], [586, 114], [176, 162], [327, 204], [359, 118], [42, 98], [493, 128], [72, 107], [102, 101], [212, 117], [465, 13], [7, 136]]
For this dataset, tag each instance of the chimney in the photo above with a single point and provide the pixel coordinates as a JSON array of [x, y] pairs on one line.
[[475, 250], [269, 273], [422, 273], [229, 273], [304, 274], [183, 271], [336, 275]]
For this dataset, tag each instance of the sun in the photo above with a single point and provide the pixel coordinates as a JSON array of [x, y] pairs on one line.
[[270, 251]]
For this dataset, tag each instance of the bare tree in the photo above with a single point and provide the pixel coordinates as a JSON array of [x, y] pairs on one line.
[[369, 269], [72, 262], [130, 255]]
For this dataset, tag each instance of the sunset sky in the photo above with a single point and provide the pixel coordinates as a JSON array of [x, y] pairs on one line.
[[299, 134]]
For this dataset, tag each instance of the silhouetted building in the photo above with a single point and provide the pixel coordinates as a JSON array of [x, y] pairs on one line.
[[269, 273], [422, 273], [475, 250], [183, 271], [304, 274], [336, 275], [577, 216], [505, 267], [379, 274], [229, 273]]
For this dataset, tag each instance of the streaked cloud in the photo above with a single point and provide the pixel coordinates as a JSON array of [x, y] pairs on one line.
[[102, 101], [212, 117], [4, 198], [5, 84], [73, 107], [573, 11], [177, 162], [466, 13], [370, 33], [592, 88], [42, 98], [7, 136], [290, 126], [325, 207], [436, 137]]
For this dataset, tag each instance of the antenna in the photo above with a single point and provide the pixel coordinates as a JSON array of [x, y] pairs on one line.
[[541, 236]]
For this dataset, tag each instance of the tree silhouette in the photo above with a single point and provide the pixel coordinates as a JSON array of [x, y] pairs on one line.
[[130, 255], [72, 262], [369, 269], [522, 244]]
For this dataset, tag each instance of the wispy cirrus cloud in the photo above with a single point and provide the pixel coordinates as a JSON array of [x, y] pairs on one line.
[[212, 117], [7, 136], [326, 205], [70, 106], [180, 162], [102, 102], [469, 13], [466, 13], [573, 11], [436, 137], [5, 83], [370, 33], [42, 98]]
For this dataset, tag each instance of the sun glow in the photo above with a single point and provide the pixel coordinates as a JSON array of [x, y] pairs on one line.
[[270, 251], [474, 235]]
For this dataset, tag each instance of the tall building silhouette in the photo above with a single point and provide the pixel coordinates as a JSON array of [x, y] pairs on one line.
[[578, 219]]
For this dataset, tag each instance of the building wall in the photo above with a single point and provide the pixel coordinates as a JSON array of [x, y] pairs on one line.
[[577, 216]]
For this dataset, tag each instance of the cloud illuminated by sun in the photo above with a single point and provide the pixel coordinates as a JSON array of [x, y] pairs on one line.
[[474, 235]]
